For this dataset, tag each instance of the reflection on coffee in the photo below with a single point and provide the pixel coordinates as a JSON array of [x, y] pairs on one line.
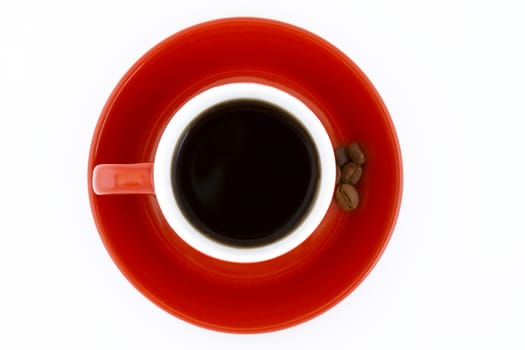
[[245, 173]]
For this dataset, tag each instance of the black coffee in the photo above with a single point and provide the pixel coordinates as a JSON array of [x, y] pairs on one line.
[[245, 173]]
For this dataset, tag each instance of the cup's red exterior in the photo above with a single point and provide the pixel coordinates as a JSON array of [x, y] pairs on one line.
[[123, 179], [299, 285]]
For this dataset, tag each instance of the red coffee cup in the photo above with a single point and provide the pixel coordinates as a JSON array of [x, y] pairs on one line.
[[335, 249]]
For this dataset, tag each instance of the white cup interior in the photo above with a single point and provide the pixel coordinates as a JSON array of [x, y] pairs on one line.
[[176, 128]]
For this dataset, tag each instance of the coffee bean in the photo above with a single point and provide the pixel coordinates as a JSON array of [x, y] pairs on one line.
[[356, 154], [337, 175], [346, 196], [351, 173], [341, 156]]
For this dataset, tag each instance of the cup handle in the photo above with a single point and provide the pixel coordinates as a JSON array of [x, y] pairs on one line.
[[134, 178]]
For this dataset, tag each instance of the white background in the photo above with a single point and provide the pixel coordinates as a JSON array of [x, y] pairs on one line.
[[452, 74]]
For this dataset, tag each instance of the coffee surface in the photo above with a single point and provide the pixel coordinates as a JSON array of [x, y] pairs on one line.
[[245, 173]]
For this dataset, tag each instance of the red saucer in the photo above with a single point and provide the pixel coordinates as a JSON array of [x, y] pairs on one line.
[[285, 291]]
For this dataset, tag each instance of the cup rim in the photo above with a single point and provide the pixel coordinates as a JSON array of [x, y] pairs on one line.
[[332, 262], [175, 130]]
